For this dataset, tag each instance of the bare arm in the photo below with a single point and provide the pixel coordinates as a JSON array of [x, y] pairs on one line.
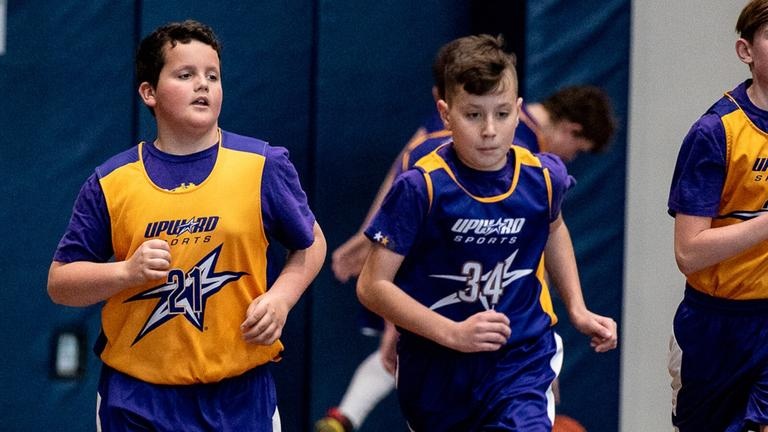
[[267, 314], [698, 245], [83, 283], [388, 347], [484, 331], [560, 261]]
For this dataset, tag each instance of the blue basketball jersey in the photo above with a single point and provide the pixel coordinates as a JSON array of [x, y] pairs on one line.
[[474, 241], [468, 251]]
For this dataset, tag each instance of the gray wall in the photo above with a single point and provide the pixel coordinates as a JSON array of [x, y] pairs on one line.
[[683, 59]]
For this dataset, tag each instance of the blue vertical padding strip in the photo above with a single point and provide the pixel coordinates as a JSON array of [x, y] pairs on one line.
[[66, 82], [373, 89], [138, 105], [308, 327], [588, 43]]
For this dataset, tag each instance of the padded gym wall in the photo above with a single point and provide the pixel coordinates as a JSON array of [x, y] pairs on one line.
[[342, 84], [587, 42], [67, 104]]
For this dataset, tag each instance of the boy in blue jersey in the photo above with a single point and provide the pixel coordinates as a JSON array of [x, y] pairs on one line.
[[571, 121], [718, 352], [172, 236], [458, 263]]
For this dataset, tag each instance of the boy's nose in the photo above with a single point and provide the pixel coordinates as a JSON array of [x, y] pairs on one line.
[[201, 84], [489, 128]]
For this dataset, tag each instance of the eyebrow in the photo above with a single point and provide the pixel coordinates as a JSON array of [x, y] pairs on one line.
[[502, 105]]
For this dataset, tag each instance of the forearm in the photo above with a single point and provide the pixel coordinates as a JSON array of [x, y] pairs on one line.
[[84, 283], [560, 262], [301, 268], [698, 245], [388, 300]]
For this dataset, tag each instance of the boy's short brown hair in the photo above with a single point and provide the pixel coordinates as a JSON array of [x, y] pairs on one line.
[[150, 57], [478, 65], [588, 106], [754, 15]]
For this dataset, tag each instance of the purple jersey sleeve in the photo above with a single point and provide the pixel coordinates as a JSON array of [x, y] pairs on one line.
[[88, 236], [287, 216], [401, 214], [562, 182], [699, 175]]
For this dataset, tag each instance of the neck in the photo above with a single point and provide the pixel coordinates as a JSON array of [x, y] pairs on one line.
[[758, 94], [184, 144]]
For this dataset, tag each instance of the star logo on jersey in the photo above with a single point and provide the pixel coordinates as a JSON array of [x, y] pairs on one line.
[[185, 293], [187, 226], [381, 238], [483, 286]]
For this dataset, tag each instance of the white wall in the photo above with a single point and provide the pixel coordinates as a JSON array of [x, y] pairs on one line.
[[682, 60]]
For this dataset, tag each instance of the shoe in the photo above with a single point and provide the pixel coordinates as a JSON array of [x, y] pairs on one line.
[[334, 421]]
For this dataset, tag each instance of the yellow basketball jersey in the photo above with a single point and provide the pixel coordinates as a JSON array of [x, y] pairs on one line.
[[744, 196], [186, 329]]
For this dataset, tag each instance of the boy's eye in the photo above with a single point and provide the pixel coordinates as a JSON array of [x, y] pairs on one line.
[[503, 114], [185, 75], [473, 115], [213, 77]]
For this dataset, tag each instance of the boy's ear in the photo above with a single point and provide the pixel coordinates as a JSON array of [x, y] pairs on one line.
[[147, 94], [442, 108], [744, 51], [572, 128]]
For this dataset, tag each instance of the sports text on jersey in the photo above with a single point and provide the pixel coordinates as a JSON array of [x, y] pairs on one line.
[[760, 167], [178, 227], [761, 164]]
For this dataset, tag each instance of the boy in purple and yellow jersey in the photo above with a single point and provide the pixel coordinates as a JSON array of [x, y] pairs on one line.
[[719, 196], [458, 263], [189, 320]]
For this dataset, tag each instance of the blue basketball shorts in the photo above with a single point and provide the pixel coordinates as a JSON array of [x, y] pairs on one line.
[[718, 361], [369, 323], [244, 403], [440, 389]]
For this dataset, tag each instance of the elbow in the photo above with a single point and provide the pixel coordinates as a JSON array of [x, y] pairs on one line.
[[56, 294], [320, 244], [686, 263], [363, 290]]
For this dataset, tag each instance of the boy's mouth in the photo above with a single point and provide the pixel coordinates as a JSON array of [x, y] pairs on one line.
[[200, 101]]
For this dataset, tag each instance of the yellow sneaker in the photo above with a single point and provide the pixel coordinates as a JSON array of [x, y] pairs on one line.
[[334, 421]]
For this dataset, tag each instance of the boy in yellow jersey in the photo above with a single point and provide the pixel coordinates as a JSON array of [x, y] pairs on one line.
[[172, 236], [719, 198]]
